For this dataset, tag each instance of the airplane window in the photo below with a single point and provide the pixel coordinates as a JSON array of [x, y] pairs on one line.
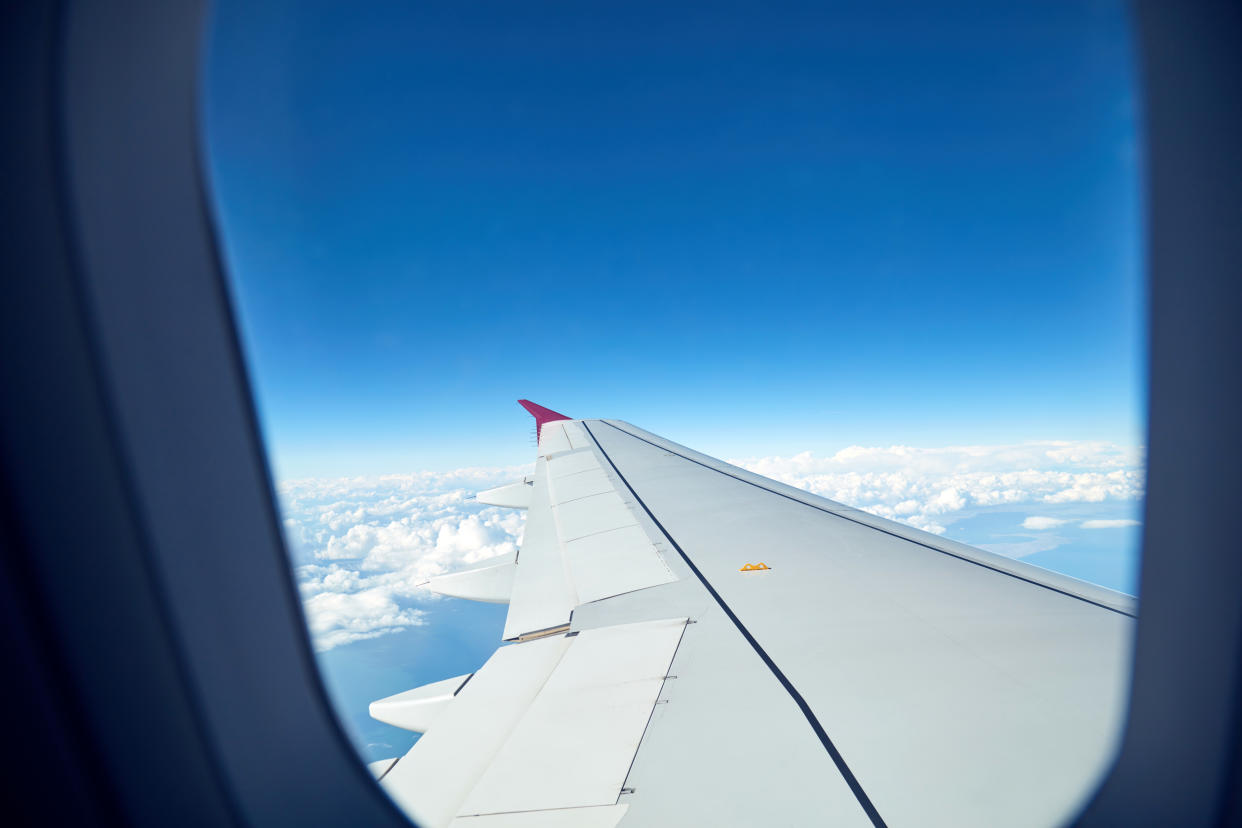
[[889, 254]]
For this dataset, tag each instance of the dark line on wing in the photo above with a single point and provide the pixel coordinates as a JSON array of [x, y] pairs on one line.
[[838, 760], [651, 715], [462, 686], [380, 778], [760, 486]]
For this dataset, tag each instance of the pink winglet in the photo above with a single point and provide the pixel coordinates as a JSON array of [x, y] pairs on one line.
[[542, 415]]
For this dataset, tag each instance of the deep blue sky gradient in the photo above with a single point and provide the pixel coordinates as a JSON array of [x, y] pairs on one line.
[[754, 228]]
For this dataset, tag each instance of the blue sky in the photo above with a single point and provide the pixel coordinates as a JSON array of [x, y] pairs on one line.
[[754, 228], [801, 237]]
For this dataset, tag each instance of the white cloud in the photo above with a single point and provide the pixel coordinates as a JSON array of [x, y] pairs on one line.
[[1022, 548], [1108, 524], [362, 546], [1036, 522], [924, 487], [337, 618]]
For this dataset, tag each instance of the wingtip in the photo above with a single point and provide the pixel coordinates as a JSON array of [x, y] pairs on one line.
[[542, 415]]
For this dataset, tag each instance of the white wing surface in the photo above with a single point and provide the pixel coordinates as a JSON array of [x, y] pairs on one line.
[[689, 643]]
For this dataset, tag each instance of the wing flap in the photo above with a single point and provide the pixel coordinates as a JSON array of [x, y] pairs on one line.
[[570, 464], [437, 774], [615, 562], [583, 484], [545, 725], [575, 743], [590, 515]]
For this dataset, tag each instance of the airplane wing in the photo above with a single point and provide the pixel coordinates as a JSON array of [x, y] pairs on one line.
[[688, 643]]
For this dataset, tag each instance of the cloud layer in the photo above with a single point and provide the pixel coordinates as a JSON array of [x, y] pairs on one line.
[[362, 546], [1108, 524], [1038, 522], [925, 487]]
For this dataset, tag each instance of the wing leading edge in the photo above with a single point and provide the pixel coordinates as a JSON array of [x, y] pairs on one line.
[[871, 675]]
